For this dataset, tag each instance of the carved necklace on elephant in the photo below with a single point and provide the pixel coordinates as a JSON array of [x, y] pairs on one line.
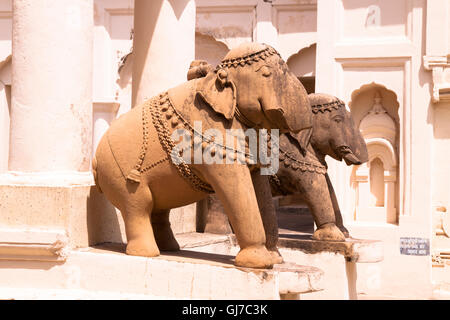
[[329, 106], [292, 162], [164, 115]]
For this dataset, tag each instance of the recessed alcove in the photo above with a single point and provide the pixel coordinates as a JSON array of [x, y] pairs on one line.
[[375, 111]]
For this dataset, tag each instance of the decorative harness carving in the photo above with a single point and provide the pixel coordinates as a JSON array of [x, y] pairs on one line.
[[162, 104], [162, 112], [290, 161], [248, 59], [329, 106], [163, 115]]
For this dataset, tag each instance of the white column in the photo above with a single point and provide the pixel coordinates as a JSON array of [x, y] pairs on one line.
[[164, 45], [51, 107], [163, 49], [266, 32], [46, 193]]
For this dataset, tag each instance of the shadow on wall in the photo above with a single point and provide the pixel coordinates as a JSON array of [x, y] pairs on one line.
[[441, 121], [104, 221], [179, 6]]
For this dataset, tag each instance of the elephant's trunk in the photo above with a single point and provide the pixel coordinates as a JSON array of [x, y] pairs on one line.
[[350, 159]]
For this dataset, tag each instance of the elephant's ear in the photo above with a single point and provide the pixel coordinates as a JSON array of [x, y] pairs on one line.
[[302, 138], [218, 92]]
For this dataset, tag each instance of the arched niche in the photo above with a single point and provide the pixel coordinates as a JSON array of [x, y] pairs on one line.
[[209, 49], [303, 65], [362, 101], [375, 111]]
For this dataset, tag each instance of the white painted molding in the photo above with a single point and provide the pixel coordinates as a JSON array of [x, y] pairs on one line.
[[431, 62], [53, 178], [33, 244], [439, 65]]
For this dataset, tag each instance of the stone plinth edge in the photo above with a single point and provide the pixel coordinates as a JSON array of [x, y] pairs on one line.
[[355, 250], [37, 245]]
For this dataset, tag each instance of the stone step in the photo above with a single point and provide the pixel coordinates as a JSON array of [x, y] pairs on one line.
[[338, 260], [355, 250], [186, 274]]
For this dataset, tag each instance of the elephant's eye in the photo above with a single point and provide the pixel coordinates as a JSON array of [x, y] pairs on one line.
[[338, 119], [265, 71]]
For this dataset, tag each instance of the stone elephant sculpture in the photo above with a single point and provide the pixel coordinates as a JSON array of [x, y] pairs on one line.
[[134, 165], [305, 173]]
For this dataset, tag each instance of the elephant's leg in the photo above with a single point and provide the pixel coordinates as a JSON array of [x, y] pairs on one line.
[[163, 232], [337, 210], [136, 213], [268, 214], [234, 188], [317, 197], [132, 199]]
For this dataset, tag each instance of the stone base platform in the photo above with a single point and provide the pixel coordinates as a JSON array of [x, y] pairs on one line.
[[341, 277], [338, 260], [354, 250], [105, 271]]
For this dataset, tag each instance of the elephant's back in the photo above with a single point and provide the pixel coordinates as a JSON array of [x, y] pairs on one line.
[[125, 137]]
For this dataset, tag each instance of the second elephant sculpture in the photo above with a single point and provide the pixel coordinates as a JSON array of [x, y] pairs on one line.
[[305, 173]]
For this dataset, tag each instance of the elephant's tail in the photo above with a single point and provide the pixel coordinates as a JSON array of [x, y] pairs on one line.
[[94, 171]]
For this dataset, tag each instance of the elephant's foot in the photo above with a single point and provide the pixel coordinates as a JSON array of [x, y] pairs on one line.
[[140, 247], [164, 237], [276, 255], [328, 232], [254, 257], [345, 231]]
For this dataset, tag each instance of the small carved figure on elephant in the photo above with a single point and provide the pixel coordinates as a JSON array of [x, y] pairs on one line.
[[134, 167], [305, 173]]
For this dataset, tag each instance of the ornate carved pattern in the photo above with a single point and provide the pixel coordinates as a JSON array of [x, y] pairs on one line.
[[295, 164], [329, 106], [165, 116], [249, 59], [157, 107], [276, 183]]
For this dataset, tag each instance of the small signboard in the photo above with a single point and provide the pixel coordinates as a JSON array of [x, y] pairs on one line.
[[414, 246]]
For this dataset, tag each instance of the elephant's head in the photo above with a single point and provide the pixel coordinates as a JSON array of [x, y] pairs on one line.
[[334, 132], [254, 84]]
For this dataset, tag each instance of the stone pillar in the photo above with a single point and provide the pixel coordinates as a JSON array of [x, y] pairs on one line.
[[46, 189], [266, 32], [51, 112], [163, 46], [163, 49]]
